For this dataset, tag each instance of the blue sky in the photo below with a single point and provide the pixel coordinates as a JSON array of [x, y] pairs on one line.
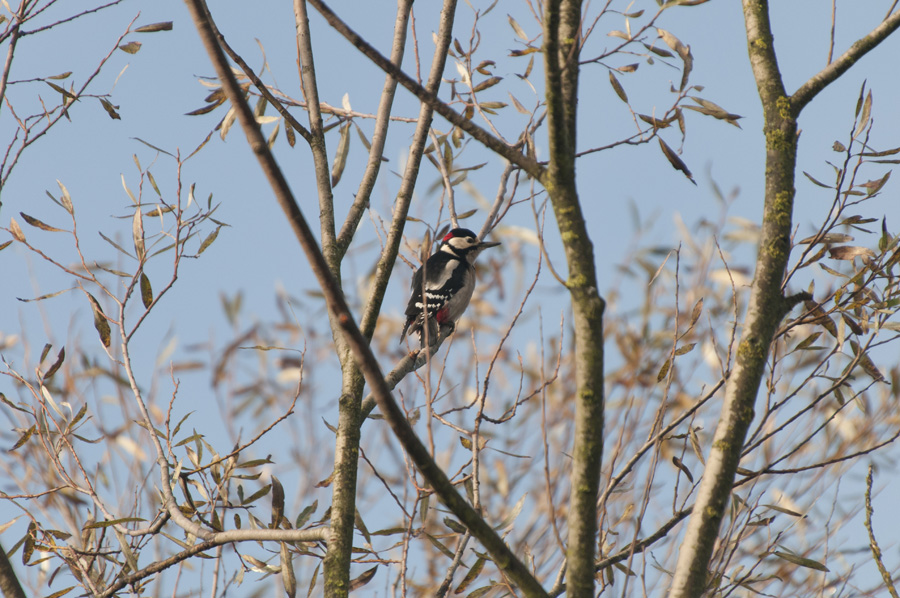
[[257, 255]]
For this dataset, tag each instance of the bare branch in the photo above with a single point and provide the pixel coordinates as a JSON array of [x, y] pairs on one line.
[[507, 151], [503, 556], [806, 92]]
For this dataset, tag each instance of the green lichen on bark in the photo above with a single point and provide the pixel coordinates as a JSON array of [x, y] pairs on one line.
[[783, 104]]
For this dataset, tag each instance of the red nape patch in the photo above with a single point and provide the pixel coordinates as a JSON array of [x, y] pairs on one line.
[[448, 236], [442, 315]]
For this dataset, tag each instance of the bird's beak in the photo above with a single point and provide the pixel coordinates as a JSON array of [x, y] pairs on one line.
[[486, 244]]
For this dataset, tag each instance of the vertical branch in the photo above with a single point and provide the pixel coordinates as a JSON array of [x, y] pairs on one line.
[[503, 557], [317, 144], [562, 22], [766, 308], [873, 543], [382, 119], [13, 39], [404, 196]]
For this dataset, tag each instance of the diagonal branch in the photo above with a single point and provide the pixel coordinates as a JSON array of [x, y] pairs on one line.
[[260, 86], [806, 92], [503, 557], [388, 258], [376, 149], [509, 152], [562, 37]]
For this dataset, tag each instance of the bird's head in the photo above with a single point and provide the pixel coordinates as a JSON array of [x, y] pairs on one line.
[[463, 243]]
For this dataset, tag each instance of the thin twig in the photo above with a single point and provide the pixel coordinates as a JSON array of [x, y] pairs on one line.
[[506, 560], [873, 543]]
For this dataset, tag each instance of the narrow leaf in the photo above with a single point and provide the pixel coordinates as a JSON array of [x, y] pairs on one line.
[[208, 240], [799, 560], [437, 544], [864, 117], [102, 524], [490, 82], [471, 576], [137, 233], [305, 514], [363, 579], [15, 231], [60, 357], [519, 31], [38, 224], [695, 314], [277, 502], [340, 157], [100, 322], [684, 349], [146, 291], [110, 109], [287, 571], [674, 160], [154, 27], [687, 472], [663, 371], [617, 87], [23, 438]]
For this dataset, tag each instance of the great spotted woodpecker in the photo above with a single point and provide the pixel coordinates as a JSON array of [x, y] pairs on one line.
[[447, 280]]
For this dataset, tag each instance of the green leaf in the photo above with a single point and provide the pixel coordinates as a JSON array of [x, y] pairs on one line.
[[471, 576], [437, 544], [490, 82], [312, 582], [208, 240], [277, 502], [146, 291], [799, 560], [23, 438], [663, 371], [100, 322], [481, 591], [110, 109], [682, 350], [110, 522], [28, 548], [114, 244], [66, 94], [456, 526], [131, 47], [257, 495], [617, 87], [361, 526], [806, 343], [305, 514]]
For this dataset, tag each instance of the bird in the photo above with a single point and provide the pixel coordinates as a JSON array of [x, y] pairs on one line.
[[447, 279]]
